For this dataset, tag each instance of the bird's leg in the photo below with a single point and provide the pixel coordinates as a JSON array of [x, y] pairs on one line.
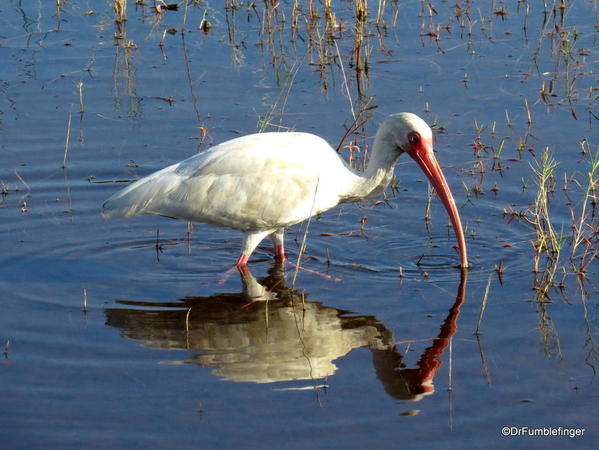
[[280, 253], [242, 261], [278, 239], [240, 265], [243, 269], [251, 239]]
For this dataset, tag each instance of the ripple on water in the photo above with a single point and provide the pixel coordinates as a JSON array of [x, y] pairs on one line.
[[62, 230], [396, 238]]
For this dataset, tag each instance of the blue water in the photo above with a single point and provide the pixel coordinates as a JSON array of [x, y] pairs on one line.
[[134, 333]]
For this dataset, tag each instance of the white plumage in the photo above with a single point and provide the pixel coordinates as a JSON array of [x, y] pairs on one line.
[[262, 183]]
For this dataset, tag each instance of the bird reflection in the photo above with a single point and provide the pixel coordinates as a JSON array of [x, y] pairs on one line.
[[413, 384], [271, 333]]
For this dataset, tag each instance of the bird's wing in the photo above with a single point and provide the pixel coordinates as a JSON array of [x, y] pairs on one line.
[[259, 181]]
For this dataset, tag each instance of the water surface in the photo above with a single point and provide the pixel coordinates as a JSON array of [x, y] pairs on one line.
[[136, 332]]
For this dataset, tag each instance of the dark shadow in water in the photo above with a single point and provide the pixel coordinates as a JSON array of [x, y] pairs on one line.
[[270, 333]]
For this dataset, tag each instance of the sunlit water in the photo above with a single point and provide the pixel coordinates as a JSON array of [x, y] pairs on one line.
[[136, 332]]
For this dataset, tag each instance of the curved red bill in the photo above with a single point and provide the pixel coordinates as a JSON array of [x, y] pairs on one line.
[[422, 153]]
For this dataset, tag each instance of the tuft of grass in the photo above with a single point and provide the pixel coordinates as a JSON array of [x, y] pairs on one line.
[[67, 140], [548, 241], [547, 237], [585, 227], [120, 11], [483, 306], [80, 88]]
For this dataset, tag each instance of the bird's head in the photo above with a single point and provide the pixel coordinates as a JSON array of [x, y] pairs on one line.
[[405, 132], [408, 133]]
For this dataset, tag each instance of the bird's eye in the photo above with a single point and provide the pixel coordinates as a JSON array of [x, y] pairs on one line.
[[413, 138]]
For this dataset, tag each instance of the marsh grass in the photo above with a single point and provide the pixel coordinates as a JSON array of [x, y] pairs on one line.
[[319, 36], [592, 354], [585, 227], [339, 41], [80, 89], [120, 10], [547, 240], [4, 191], [483, 306], [67, 141], [84, 301], [550, 241], [544, 177]]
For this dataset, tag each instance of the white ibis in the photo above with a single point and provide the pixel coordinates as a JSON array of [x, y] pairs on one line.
[[262, 183]]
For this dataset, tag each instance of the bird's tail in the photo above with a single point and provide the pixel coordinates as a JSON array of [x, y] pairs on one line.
[[142, 196]]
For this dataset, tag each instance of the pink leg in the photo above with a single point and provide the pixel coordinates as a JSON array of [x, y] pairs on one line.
[[280, 253], [242, 261], [242, 264]]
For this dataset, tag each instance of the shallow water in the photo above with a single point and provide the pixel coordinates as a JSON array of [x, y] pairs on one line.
[[135, 332]]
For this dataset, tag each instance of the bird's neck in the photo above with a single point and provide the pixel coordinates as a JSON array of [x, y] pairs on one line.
[[377, 176]]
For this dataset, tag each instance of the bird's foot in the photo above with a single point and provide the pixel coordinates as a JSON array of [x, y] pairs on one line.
[[240, 265]]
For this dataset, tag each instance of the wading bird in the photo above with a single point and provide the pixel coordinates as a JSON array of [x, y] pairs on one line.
[[262, 183]]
